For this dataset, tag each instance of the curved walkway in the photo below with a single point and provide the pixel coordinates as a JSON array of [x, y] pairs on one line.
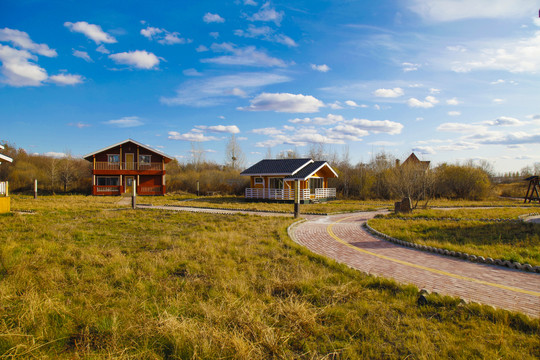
[[343, 238]]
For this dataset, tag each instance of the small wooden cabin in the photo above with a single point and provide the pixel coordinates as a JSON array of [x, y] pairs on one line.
[[275, 179], [117, 166]]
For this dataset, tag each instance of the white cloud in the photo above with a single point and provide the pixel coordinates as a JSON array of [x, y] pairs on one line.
[[453, 101], [329, 119], [434, 91], [432, 99], [214, 34], [500, 81], [125, 122], [426, 150], [267, 131], [459, 127], [83, 55], [140, 59], [512, 138], [267, 13], [321, 68], [214, 91], [55, 154], [191, 72], [17, 69], [415, 103], [266, 33], [192, 135], [335, 105], [503, 121], [498, 101], [517, 56], [66, 79], [22, 40], [250, 2], [230, 129], [102, 49], [163, 36], [347, 132], [351, 103], [91, 31], [407, 66], [377, 126], [201, 48], [454, 113], [247, 56], [212, 18], [284, 102], [452, 10], [389, 93]]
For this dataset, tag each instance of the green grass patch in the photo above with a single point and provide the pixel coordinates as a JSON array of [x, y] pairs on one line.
[[80, 280], [515, 241], [468, 213]]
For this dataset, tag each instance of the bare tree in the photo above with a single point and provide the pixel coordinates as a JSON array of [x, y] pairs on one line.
[[53, 172], [197, 154], [412, 180], [234, 156], [268, 153], [66, 170], [316, 151]]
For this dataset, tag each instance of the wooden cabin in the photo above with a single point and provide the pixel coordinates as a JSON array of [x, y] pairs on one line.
[[276, 179], [116, 167]]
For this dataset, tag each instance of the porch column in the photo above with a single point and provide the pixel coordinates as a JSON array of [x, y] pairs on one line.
[[137, 162], [120, 162]]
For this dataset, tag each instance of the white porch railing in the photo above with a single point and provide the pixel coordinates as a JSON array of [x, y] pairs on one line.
[[288, 194], [3, 188]]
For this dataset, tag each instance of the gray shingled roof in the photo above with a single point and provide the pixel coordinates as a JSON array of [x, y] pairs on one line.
[[277, 167], [306, 171]]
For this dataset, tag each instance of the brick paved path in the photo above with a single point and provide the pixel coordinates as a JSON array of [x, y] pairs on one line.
[[342, 237]]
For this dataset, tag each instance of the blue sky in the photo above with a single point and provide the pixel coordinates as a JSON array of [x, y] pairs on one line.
[[449, 79]]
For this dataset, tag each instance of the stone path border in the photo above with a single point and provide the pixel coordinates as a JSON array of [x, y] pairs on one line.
[[344, 239]]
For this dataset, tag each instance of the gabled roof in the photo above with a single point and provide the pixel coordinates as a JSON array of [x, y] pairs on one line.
[[413, 159], [308, 171], [277, 167], [167, 157], [4, 157]]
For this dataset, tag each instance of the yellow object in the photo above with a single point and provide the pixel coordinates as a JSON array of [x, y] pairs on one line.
[[5, 204]]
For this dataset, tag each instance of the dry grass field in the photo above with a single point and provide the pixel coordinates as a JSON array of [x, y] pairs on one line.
[[83, 278]]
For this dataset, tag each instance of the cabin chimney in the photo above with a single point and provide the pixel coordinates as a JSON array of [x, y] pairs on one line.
[[397, 162]]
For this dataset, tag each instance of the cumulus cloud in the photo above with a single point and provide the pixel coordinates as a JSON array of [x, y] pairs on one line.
[[266, 33], [22, 40], [503, 121], [377, 126], [389, 93], [321, 68], [192, 135], [66, 79], [91, 31], [140, 59], [512, 138], [17, 68], [453, 101], [212, 18], [230, 129], [267, 131], [329, 119], [426, 150], [83, 55], [102, 49], [452, 10], [429, 103], [284, 102], [267, 13], [247, 56], [163, 36], [215, 91]]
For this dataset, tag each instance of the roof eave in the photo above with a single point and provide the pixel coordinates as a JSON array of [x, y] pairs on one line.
[[123, 142]]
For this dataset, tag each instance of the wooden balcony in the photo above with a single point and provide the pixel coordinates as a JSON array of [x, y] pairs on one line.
[[119, 190], [128, 166]]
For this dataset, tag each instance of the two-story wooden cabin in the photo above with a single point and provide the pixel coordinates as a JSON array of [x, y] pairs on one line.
[[117, 166]]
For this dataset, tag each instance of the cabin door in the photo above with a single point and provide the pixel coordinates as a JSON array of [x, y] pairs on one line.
[[129, 184], [129, 162]]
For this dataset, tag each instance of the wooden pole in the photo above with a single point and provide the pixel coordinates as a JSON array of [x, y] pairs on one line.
[[296, 199], [7, 188], [134, 195], [35, 189], [197, 187]]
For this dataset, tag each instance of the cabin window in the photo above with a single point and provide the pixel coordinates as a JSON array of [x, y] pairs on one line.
[[144, 159], [276, 183], [113, 158], [315, 183], [107, 181], [258, 181]]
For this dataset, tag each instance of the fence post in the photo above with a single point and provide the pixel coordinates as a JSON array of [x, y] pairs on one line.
[[7, 188], [197, 188], [296, 199], [35, 189], [134, 195]]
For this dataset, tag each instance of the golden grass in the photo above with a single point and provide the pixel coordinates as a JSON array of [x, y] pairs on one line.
[[80, 280]]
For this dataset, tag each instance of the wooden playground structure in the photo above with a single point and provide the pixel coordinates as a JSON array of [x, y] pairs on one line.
[[533, 189]]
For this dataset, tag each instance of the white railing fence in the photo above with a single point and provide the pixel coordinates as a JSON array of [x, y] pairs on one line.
[[127, 166], [287, 194]]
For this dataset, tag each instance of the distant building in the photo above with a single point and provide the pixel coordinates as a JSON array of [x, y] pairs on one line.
[[115, 167], [413, 160], [275, 179], [5, 202]]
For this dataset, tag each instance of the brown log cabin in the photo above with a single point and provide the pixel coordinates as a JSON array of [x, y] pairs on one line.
[[116, 167]]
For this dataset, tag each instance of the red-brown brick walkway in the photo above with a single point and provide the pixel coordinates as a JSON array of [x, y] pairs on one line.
[[342, 238]]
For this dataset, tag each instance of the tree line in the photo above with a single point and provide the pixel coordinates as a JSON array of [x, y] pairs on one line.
[[379, 178]]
